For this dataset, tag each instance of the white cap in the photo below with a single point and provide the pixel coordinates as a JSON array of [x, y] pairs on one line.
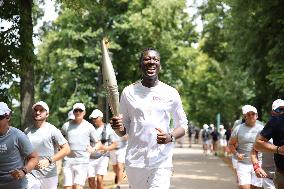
[[277, 103], [42, 104], [205, 126], [96, 113], [221, 126], [80, 106], [71, 115], [248, 108], [4, 109]]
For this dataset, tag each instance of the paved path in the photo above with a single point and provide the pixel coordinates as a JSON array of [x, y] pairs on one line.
[[194, 170]]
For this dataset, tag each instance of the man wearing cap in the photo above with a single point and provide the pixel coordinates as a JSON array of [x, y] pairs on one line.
[[46, 139], [70, 115], [79, 133], [274, 129], [17, 156], [241, 144], [99, 160], [236, 123]]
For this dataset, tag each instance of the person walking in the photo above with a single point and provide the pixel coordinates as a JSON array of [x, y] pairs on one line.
[[17, 156], [99, 160], [222, 140], [145, 108], [46, 140], [274, 129], [79, 133], [241, 145], [205, 136]]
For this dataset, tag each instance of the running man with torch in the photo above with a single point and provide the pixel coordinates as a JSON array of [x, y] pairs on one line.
[[145, 110]]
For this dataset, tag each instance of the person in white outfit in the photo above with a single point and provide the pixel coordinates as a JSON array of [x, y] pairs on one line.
[[146, 107]]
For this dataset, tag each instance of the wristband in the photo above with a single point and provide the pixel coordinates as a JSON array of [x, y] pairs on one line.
[[277, 149], [25, 171], [256, 166]]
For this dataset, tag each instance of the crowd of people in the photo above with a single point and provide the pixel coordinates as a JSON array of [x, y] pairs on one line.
[[28, 159], [140, 140], [146, 108], [256, 148]]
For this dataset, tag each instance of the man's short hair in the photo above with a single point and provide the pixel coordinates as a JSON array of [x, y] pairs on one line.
[[145, 50]]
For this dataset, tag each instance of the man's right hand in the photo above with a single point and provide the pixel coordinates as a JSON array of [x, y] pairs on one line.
[[281, 150], [116, 123], [240, 157]]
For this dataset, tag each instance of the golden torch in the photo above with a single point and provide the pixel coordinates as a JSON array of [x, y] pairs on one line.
[[109, 80]]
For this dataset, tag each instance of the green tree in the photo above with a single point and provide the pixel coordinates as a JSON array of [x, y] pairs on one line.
[[17, 55], [70, 55], [245, 36]]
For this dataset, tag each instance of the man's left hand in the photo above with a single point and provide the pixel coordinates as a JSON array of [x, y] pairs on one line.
[[163, 137]]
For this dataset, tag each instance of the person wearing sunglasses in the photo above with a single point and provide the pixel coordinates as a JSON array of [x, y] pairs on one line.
[[17, 156], [274, 129], [241, 145], [46, 139], [79, 133]]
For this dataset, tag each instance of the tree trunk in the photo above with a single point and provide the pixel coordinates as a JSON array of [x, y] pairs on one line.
[[26, 60]]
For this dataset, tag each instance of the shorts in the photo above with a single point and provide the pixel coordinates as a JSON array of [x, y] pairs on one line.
[[206, 142], [223, 142], [246, 175], [234, 162], [75, 173], [42, 183], [148, 178], [118, 156], [98, 166]]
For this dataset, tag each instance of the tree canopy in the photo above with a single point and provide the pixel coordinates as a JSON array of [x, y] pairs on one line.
[[238, 61]]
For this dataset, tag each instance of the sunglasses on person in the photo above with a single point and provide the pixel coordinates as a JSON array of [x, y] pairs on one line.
[[3, 116], [279, 110], [78, 110]]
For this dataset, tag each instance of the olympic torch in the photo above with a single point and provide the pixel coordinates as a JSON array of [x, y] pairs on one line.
[[109, 80]]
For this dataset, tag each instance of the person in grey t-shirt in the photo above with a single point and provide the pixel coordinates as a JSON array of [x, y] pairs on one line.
[[99, 160], [17, 157], [78, 133], [241, 144], [50, 145]]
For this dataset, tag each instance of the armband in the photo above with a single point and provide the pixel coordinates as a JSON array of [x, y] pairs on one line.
[[256, 166]]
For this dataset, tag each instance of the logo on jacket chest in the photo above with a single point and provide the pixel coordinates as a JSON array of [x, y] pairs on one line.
[[158, 98]]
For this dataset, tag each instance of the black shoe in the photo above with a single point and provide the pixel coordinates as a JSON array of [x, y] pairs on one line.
[[115, 180], [117, 187]]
